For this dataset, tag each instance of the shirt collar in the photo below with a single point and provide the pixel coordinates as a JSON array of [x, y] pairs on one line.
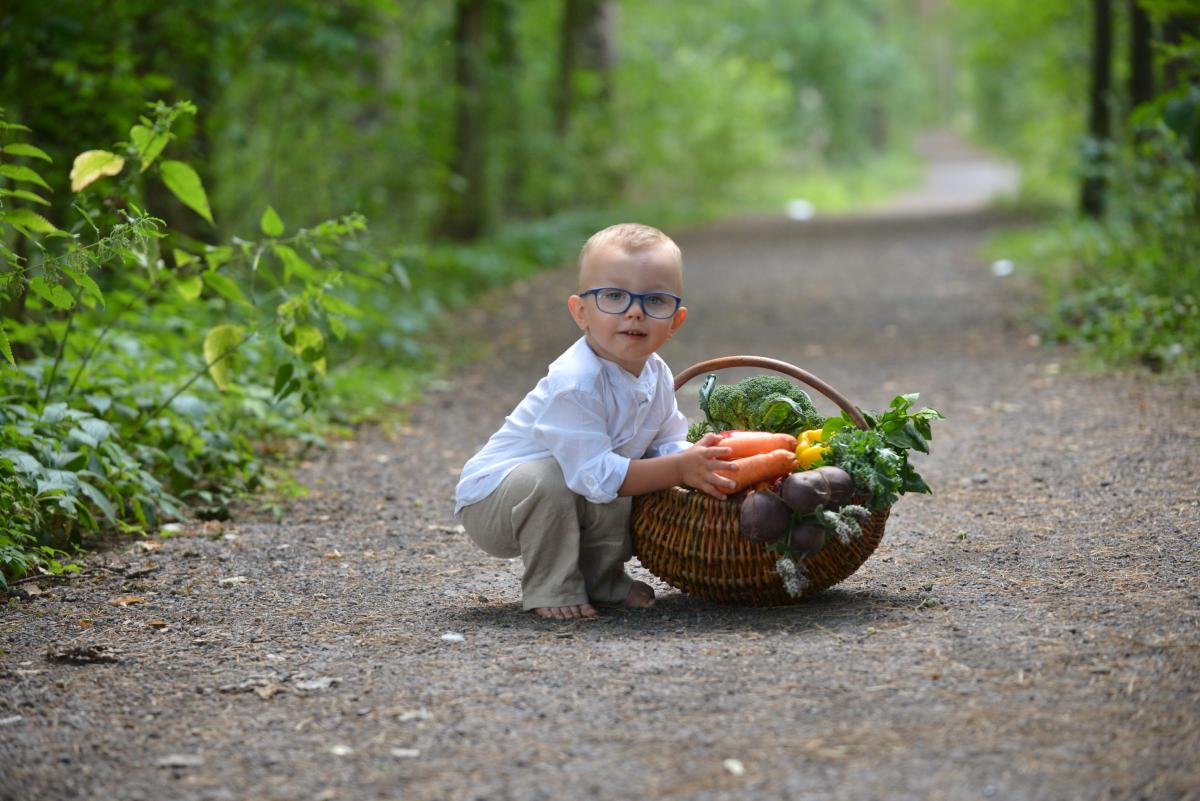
[[619, 374]]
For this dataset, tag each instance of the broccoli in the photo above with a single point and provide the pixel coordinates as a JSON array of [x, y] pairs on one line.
[[760, 403]]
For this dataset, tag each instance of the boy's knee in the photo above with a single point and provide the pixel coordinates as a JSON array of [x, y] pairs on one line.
[[538, 481], [613, 515], [481, 526]]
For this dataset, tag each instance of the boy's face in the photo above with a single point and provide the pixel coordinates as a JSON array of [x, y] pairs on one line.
[[629, 338]]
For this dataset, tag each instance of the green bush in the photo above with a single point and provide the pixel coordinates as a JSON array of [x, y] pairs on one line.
[[145, 372], [1127, 287]]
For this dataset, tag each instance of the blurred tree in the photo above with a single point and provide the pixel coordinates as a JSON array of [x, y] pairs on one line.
[[1099, 124], [464, 214], [584, 94], [1141, 55], [506, 110], [587, 54]]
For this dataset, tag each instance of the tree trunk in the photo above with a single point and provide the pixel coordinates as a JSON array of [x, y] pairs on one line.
[[1099, 130], [1141, 56], [507, 111], [464, 216], [588, 44]]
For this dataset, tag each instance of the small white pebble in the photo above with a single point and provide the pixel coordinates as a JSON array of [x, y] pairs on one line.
[[801, 209], [406, 753], [1002, 268], [453, 636], [415, 714], [735, 767], [341, 750]]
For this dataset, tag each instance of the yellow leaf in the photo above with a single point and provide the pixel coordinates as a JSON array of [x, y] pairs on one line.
[[92, 165], [190, 286], [309, 344], [221, 341], [128, 600]]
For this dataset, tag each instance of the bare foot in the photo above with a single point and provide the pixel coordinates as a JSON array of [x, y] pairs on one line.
[[641, 596], [567, 612]]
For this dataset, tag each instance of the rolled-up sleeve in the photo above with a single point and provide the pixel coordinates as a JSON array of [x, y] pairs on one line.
[[572, 426]]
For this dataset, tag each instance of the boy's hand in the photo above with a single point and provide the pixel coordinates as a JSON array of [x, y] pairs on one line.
[[699, 463]]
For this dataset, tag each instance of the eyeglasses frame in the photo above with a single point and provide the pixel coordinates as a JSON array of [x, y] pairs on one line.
[[633, 296]]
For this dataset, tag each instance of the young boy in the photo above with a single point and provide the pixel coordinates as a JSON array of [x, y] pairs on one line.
[[553, 484]]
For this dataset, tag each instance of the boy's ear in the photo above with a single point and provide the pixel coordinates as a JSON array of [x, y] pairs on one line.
[[677, 320], [575, 306]]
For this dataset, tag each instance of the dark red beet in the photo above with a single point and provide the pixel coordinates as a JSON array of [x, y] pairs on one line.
[[807, 538], [841, 485], [764, 517], [804, 492]]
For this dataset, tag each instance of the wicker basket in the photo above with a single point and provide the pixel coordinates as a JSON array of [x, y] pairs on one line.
[[691, 541]]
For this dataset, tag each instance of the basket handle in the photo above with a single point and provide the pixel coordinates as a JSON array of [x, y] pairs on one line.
[[725, 362]]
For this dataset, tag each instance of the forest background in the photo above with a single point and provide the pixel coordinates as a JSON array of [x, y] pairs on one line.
[[227, 229]]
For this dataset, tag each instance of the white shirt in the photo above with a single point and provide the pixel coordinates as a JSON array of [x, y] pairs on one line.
[[592, 416]]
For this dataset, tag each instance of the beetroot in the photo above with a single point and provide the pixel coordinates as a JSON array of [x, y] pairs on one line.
[[807, 538], [805, 491], [841, 485], [764, 517]]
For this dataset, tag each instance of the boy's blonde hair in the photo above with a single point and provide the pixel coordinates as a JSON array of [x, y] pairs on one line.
[[629, 238]]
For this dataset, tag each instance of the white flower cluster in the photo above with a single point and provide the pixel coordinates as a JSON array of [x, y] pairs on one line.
[[795, 579], [846, 522]]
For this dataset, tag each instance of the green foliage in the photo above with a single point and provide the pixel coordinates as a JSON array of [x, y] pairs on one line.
[[1024, 78], [1126, 288], [698, 429], [877, 457], [108, 419]]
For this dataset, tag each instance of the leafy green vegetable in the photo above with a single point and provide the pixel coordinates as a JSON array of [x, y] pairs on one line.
[[697, 430], [759, 403], [877, 459]]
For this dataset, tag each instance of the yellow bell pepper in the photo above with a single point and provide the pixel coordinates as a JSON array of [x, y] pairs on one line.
[[809, 456]]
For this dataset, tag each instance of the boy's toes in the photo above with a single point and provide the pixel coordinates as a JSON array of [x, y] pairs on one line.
[[641, 596], [566, 612]]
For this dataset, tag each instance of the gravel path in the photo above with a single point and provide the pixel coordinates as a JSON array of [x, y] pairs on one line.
[[1028, 632]]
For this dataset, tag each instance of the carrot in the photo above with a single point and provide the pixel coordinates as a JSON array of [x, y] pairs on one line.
[[760, 467], [750, 443]]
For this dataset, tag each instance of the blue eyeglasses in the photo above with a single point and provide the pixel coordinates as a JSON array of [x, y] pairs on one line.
[[611, 300]]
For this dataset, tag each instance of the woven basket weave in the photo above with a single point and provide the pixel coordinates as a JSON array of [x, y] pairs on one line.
[[691, 540]]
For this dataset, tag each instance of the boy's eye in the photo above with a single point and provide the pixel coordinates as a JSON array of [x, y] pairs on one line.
[[615, 296], [656, 300]]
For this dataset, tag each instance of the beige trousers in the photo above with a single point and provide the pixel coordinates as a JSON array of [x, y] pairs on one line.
[[574, 551]]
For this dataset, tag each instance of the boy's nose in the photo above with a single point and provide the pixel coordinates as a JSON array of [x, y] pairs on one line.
[[635, 309]]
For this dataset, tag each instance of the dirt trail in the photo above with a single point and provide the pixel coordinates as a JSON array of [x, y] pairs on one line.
[[1028, 632]]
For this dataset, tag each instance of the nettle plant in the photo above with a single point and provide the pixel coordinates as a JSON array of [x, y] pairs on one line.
[[140, 364]]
